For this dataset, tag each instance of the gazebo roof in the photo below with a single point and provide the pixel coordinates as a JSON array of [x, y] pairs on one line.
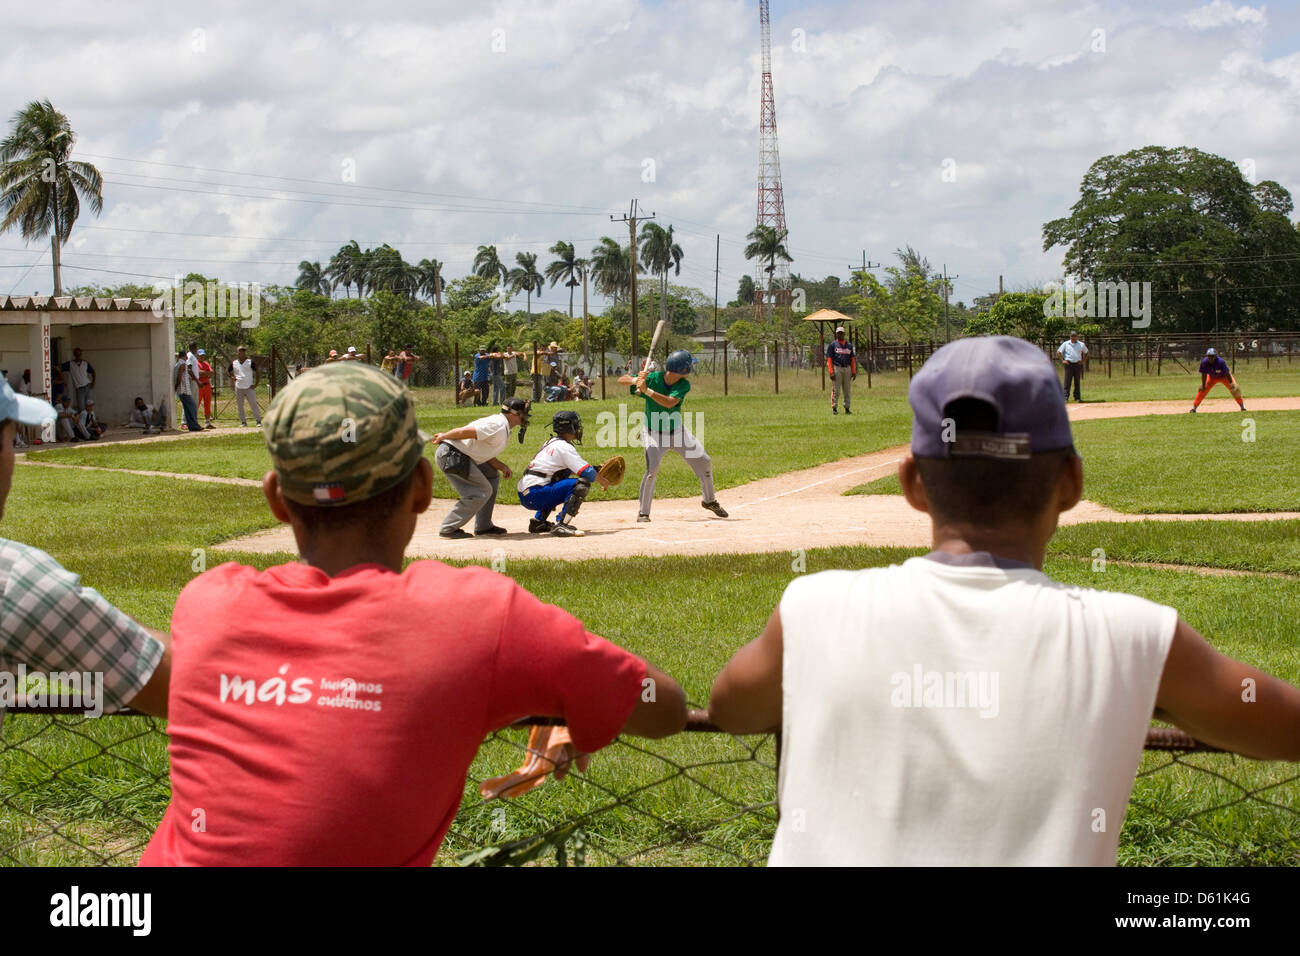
[[828, 315]]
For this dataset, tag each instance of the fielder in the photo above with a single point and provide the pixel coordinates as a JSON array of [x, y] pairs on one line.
[[1215, 371], [842, 366], [558, 475], [664, 431]]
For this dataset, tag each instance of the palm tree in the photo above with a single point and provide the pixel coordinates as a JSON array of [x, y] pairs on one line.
[[40, 185], [489, 265], [659, 254], [431, 282], [343, 266], [611, 268], [526, 278], [767, 242], [567, 269], [312, 278]]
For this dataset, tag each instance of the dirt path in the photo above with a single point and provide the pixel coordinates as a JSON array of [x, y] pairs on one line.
[[793, 511]]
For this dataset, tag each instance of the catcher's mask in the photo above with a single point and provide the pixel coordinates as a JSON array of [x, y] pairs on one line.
[[567, 421], [520, 407]]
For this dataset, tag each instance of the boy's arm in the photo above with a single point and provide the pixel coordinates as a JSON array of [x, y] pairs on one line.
[[664, 713], [152, 697], [1225, 703], [746, 696]]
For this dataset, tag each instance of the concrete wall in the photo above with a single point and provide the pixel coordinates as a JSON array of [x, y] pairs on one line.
[[122, 361]]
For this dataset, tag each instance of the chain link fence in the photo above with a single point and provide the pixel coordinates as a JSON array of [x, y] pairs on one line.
[[78, 791]]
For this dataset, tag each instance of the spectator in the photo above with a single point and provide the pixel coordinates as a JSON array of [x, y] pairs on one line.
[[465, 674], [68, 424], [90, 425], [497, 374], [205, 385], [333, 356], [925, 707], [82, 375], [58, 384], [25, 384], [482, 375], [351, 354], [408, 360], [1074, 358], [52, 623], [543, 361], [186, 382], [244, 371], [510, 370], [466, 391], [389, 363], [146, 416]]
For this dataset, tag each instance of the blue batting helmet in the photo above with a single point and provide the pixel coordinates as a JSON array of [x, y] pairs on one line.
[[680, 362]]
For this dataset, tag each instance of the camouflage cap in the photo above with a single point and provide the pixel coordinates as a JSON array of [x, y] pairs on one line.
[[342, 433]]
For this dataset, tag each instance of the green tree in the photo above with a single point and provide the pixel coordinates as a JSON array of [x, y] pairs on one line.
[[611, 269], [745, 292], [343, 267], [659, 253], [525, 277], [567, 268], [41, 186], [431, 283], [393, 322], [312, 278], [1189, 223]]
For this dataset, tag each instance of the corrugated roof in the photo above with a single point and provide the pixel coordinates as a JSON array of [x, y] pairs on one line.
[[67, 303]]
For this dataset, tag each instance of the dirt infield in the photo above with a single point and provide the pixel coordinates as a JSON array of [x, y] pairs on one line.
[[797, 510]]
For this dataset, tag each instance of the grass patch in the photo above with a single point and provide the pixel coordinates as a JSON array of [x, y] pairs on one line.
[[1239, 545], [888, 485]]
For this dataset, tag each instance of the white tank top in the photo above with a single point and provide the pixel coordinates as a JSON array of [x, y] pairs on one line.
[[961, 714]]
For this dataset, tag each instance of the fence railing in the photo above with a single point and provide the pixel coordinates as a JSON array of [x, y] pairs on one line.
[[90, 791]]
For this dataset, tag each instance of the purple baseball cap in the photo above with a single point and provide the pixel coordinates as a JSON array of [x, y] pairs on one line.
[[1012, 376]]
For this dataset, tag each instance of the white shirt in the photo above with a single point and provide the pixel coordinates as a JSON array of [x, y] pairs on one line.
[[243, 372], [510, 365], [493, 433], [142, 416], [554, 455], [79, 372], [1073, 351], [883, 762]]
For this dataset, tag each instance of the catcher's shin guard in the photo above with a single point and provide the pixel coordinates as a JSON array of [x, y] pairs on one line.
[[574, 501]]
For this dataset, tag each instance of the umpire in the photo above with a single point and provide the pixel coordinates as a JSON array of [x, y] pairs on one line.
[[468, 457]]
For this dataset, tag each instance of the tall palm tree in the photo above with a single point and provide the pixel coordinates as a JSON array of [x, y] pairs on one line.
[[567, 269], [768, 242], [343, 266], [40, 184], [312, 278], [659, 254], [489, 265], [526, 278], [611, 269], [431, 282]]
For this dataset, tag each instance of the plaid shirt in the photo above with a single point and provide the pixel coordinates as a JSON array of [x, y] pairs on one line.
[[49, 622]]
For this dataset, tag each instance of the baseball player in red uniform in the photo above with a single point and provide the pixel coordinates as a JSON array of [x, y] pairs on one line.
[[1215, 371]]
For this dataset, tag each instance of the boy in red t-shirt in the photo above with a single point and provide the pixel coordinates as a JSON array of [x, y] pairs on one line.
[[313, 726]]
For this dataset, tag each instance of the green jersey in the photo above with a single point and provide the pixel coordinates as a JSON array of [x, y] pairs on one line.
[[657, 417]]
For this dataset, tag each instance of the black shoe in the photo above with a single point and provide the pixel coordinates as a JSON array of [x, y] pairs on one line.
[[562, 530], [846, 408], [643, 519], [1242, 407], [495, 529], [834, 410], [716, 508], [455, 535], [539, 526], [1192, 409]]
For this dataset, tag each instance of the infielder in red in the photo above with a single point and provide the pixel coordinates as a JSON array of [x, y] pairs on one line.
[[1215, 371], [205, 386]]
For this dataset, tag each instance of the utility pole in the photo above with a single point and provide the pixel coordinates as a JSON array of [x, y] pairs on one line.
[[947, 290], [717, 264], [631, 219], [853, 270]]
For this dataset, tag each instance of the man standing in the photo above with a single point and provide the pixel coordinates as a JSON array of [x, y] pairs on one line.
[[205, 386], [510, 370], [1073, 356], [244, 371], [482, 375], [82, 376], [406, 365], [842, 366], [1215, 371], [186, 382], [498, 373], [468, 457], [919, 703], [664, 429]]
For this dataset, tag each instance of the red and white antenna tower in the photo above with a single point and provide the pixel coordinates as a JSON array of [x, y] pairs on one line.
[[771, 201]]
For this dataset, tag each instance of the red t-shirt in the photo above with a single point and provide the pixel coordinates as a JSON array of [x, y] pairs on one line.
[[318, 720]]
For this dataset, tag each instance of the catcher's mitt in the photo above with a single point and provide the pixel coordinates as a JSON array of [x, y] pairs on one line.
[[613, 470]]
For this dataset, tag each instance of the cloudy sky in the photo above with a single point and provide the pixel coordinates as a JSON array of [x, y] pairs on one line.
[[237, 138]]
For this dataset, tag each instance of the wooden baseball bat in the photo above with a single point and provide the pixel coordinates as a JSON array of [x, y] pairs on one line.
[[654, 341]]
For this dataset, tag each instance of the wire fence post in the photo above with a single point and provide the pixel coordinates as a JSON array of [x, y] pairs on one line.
[[725, 363]]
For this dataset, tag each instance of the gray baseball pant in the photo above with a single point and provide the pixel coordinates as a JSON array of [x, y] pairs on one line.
[[247, 395], [477, 494], [841, 382], [680, 440]]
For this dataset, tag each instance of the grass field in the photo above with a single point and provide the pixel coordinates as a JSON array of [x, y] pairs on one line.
[[85, 790], [1178, 464]]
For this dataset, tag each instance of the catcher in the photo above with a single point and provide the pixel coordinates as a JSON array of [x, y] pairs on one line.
[[558, 475]]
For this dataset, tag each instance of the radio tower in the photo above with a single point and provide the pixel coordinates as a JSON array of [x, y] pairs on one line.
[[771, 202]]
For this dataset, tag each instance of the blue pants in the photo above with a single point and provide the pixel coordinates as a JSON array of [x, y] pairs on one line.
[[544, 498], [191, 409]]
